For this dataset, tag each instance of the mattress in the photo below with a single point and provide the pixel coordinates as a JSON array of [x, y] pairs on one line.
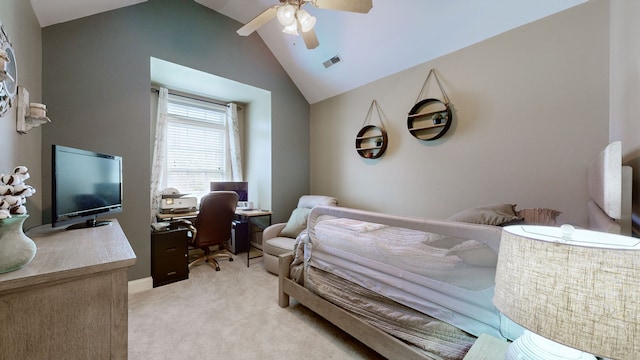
[[396, 262]]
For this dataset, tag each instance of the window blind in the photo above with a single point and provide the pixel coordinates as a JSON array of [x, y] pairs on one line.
[[195, 144]]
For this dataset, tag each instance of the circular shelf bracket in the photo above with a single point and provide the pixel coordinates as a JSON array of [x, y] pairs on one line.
[[429, 119], [371, 142]]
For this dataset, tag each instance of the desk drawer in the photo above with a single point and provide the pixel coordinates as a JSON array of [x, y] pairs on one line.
[[169, 270], [168, 244]]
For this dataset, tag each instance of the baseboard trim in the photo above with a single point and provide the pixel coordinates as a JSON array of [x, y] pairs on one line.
[[138, 285]]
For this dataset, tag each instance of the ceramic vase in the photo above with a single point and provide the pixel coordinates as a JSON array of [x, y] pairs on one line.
[[16, 248]]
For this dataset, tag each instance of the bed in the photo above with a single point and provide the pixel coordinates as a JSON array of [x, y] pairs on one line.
[[413, 288], [410, 274]]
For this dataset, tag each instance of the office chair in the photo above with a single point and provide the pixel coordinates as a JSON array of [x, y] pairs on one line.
[[213, 226]]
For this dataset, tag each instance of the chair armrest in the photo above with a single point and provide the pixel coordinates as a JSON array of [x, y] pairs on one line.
[[272, 231]]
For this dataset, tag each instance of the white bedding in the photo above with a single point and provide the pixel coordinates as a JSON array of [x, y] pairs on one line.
[[402, 248], [396, 263]]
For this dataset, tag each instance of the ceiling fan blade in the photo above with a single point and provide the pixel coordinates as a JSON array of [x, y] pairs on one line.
[[258, 21], [310, 39], [359, 6]]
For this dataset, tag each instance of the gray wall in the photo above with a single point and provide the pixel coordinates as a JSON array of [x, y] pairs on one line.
[[22, 27], [530, 110], [96, 83]]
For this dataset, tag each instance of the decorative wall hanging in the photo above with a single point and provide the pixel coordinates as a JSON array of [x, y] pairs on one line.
[[371, 141], [8, 73], [430, 118], [30, 115]]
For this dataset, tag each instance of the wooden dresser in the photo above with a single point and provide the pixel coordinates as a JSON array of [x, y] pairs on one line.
[[71, 300]]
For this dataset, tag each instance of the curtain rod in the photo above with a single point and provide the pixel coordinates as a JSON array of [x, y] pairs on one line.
[[194, 97]]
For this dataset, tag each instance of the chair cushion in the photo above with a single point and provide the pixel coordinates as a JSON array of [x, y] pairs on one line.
[[279, 245], [297, 222]]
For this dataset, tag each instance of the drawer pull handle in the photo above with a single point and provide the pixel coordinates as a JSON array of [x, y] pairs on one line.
[[171, 249], [171, 273]]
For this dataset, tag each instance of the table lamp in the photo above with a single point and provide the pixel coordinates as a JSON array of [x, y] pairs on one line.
[[574, 291]]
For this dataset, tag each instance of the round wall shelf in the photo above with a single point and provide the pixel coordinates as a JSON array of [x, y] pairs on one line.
[[371, 142], [429, 119]]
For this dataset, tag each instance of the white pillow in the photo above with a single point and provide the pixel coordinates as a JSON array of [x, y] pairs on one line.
[[476, 253], [297, 222], [496, 214]]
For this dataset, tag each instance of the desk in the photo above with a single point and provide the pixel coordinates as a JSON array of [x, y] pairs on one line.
[[176, 216], [257, 221]]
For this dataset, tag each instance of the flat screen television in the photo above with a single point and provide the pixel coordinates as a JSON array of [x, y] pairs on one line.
[[240, 187], [86, 184]]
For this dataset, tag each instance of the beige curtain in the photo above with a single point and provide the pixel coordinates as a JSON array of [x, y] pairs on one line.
[[158, 171], [233, 139]]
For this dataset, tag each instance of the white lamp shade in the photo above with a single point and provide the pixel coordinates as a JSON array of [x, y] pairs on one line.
[[286, 14], [307, 22], [291, 29], [577, 289]]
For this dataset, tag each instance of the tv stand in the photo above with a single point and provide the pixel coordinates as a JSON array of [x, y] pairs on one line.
[[70, 302], [88, 224]]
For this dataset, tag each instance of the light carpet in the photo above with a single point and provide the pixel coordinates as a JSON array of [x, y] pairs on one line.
[[231, 314]]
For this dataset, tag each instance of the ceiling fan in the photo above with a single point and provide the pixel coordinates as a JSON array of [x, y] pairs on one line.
[[293, 17]]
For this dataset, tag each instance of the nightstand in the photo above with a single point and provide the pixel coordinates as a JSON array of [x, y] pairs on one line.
[[487, 347]]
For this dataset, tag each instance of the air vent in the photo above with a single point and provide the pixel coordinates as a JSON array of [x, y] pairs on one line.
[[334, 60]]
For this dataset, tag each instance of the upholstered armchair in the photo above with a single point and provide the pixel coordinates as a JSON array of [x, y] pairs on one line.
[[279, 238]]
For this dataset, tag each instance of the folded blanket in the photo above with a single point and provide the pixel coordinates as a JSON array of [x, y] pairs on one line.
[[296, 269]]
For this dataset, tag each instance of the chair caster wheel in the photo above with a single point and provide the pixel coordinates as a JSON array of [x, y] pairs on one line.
[[230, 259]]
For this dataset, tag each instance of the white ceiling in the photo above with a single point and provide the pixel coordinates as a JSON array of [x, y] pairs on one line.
[[393, 36]]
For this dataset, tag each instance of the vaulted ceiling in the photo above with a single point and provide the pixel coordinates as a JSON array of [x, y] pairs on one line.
[[393, 36]]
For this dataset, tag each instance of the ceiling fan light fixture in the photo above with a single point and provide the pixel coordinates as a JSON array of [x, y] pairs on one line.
[[291, 29], [307, 22], [286, 14]]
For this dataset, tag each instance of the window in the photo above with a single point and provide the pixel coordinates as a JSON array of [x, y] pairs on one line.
[[195, 144]]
